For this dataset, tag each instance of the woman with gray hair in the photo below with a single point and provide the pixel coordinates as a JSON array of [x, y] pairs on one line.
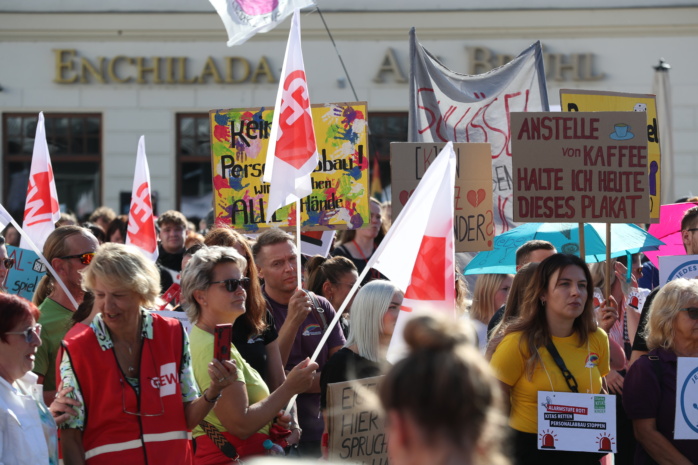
[[649, 393], [241, 424], [132, 372], [374, 313]]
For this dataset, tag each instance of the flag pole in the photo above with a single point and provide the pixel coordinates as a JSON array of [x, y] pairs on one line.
[[346, 73], [298, 244]]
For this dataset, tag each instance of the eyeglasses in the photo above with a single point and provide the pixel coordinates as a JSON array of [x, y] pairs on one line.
[[29, 333], [231, 285], [692, 312], [85, 258], [8, 262]]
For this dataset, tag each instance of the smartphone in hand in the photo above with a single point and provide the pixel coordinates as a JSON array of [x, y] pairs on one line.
[[223, 338]]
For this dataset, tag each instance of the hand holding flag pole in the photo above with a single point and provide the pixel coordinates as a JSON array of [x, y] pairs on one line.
[[401, 254]]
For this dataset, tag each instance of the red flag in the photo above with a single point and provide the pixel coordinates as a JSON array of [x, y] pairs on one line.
[[292, 152], [141, 222], [41, 210], [418, 254]]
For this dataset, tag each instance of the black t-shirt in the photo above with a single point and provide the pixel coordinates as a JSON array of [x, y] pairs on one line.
[[360, 264], [639, 343], [251, 346], [343, 366]]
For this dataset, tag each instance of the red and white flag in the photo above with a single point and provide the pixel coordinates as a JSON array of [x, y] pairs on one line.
[[141, 222], [41, 210], [418, 253], [292, 152], [244, 18]]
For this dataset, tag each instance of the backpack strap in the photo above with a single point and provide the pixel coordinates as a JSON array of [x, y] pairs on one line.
[[318, 311]]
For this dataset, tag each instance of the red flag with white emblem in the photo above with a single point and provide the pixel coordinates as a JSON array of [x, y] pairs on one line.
[[292, 152], [41, 210], [141, 222], [418, 254]]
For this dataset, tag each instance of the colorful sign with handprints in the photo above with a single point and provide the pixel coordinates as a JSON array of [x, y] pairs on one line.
[[474, 221], [239, 139]]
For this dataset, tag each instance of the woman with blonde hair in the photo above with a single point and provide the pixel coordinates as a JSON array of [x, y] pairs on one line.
[[491, 291], [649, 392], [442, 403], [132, 371]]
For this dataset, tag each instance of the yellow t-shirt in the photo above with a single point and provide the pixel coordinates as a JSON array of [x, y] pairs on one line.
[[587, 364], [201, 344]]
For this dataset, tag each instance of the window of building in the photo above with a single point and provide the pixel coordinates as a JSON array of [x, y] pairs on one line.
[[194, 178], [75, 147], [385, 128]]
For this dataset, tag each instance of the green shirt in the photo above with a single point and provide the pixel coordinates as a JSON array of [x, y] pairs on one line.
[[201, 356], [55, 322]]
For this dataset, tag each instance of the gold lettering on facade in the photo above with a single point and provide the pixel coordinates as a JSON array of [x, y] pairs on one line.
[[389, 64]]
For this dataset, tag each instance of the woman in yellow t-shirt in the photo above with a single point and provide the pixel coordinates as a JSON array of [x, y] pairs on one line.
[[557, 308], [214, 292]]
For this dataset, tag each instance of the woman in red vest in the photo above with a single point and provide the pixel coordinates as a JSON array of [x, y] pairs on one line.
[[131, 370]]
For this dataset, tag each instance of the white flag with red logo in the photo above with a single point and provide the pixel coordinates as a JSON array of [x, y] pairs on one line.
[[141, 222], [418, 254], [245, 18], [41, 210], [292, 152]]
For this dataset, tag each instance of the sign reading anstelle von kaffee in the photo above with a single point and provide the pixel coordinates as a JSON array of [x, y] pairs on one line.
[[580, 167]]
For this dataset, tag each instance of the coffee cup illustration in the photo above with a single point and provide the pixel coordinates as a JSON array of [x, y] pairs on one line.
[[622, 131]]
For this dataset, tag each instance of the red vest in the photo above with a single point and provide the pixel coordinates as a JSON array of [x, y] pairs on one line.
[[114, 436]]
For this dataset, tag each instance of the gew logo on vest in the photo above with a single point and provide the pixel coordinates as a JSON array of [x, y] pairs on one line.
[[167, 381]]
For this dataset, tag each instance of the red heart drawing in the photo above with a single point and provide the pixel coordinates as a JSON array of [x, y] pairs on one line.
[[476, 198], [405, 196]]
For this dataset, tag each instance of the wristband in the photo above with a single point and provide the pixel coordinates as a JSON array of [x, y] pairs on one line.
[[211, 401]]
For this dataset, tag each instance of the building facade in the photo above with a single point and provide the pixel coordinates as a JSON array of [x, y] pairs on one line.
[[104, 76]]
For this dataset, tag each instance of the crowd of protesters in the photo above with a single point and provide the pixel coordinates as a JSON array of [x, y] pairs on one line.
[[90, 374]]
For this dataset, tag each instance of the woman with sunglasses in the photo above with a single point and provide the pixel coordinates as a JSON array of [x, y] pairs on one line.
[[27, 429], [649, 391], [214, 292], [132, 372]]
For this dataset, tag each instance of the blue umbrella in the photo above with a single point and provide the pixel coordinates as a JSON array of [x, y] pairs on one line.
[[625, 239]]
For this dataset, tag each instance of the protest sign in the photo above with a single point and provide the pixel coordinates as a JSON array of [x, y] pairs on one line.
[[26, 273], [576, 422], [580, 167], [592, 100], [239, 139], [686, 416], [317, 243], [354, 422], [449, 106], [677, 266], [474, 222]]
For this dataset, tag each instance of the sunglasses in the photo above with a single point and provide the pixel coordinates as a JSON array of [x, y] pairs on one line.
[[29, 333], [85, 258], [231, 285], [8, 262], [692, 312]]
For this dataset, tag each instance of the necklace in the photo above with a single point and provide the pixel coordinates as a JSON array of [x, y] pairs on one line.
[[130, 363]]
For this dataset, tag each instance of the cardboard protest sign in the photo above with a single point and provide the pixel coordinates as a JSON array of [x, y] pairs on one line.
[[686, 416], [317, 242], [576, 422], [239, 139], [26, 273], [580, 167], [677, 266], [474, 222], [592, 100], [355, 424]]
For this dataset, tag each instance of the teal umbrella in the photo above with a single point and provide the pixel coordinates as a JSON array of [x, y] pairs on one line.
[[625, 239]]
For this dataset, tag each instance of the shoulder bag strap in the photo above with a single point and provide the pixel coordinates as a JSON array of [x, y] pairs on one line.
[[569, 377], [220, 441], [318, 311]]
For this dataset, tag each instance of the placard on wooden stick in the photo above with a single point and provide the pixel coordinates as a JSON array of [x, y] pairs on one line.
[[580, 167], [355, 423], [473, 222]]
